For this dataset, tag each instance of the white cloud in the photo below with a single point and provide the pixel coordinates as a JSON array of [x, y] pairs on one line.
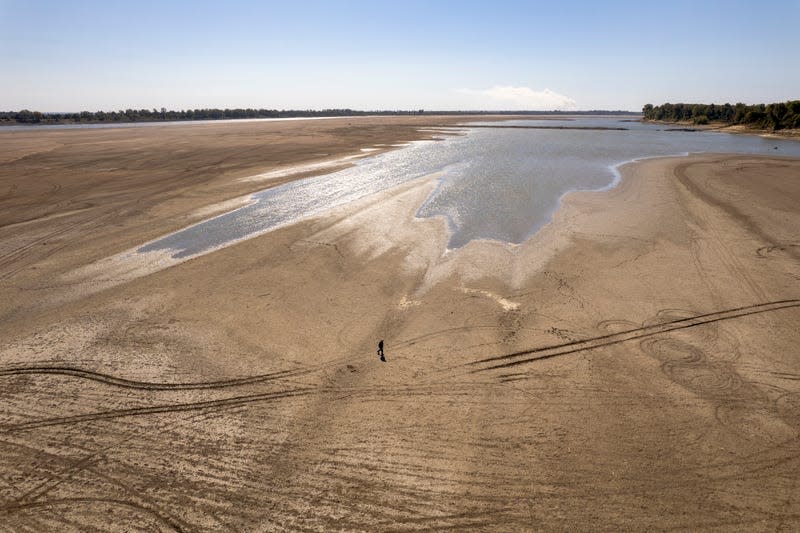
[[519, 98]]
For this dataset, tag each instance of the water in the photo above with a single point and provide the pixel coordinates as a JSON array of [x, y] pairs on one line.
[[500, 184]]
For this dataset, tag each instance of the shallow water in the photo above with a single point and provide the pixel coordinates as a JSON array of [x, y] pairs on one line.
[[500, 184]]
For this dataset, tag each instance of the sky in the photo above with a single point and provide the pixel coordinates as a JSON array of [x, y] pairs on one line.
[[63, 55]]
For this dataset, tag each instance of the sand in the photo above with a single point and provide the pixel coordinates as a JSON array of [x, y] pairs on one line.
[[634, 365]]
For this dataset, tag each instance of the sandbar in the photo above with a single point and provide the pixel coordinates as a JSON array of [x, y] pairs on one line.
[[634, 365]]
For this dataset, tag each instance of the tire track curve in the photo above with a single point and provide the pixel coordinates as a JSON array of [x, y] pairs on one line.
[[547, 352], [158, 409], [163, 520], [13, 260], [108, 379]]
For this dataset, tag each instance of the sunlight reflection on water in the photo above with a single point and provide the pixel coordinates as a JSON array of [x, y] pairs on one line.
[[501, 184]]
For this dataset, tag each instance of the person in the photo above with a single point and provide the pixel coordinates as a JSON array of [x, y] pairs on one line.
[[380, 351]]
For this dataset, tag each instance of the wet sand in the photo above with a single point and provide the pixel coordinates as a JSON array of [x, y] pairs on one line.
[[634, 365]]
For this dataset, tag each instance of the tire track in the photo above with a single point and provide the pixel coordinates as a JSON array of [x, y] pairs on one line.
[[158, 409], [743, 220], [8, 268], [547, 352], [407, 343], [144, 502], [19, 252], [111, 380], [108, 379], [108, 501]]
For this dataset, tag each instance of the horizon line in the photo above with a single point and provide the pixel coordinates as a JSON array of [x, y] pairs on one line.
[[334, 109]]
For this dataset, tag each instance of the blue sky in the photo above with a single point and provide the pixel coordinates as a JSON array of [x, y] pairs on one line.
[[74, 55]]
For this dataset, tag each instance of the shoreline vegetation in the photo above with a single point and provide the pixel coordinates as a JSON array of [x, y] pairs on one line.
[[27, 117], [780, 116]]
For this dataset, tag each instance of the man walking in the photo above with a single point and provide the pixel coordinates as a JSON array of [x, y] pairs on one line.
[[380, 351]]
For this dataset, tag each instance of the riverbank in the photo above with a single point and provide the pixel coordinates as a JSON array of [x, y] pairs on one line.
[[73, 195], [632, 365], [726, 128]]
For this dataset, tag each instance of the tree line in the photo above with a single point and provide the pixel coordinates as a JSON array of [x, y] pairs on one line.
[[152, 115], [781, 115]]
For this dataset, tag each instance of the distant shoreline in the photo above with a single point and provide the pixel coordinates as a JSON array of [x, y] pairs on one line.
[[86, 118]]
